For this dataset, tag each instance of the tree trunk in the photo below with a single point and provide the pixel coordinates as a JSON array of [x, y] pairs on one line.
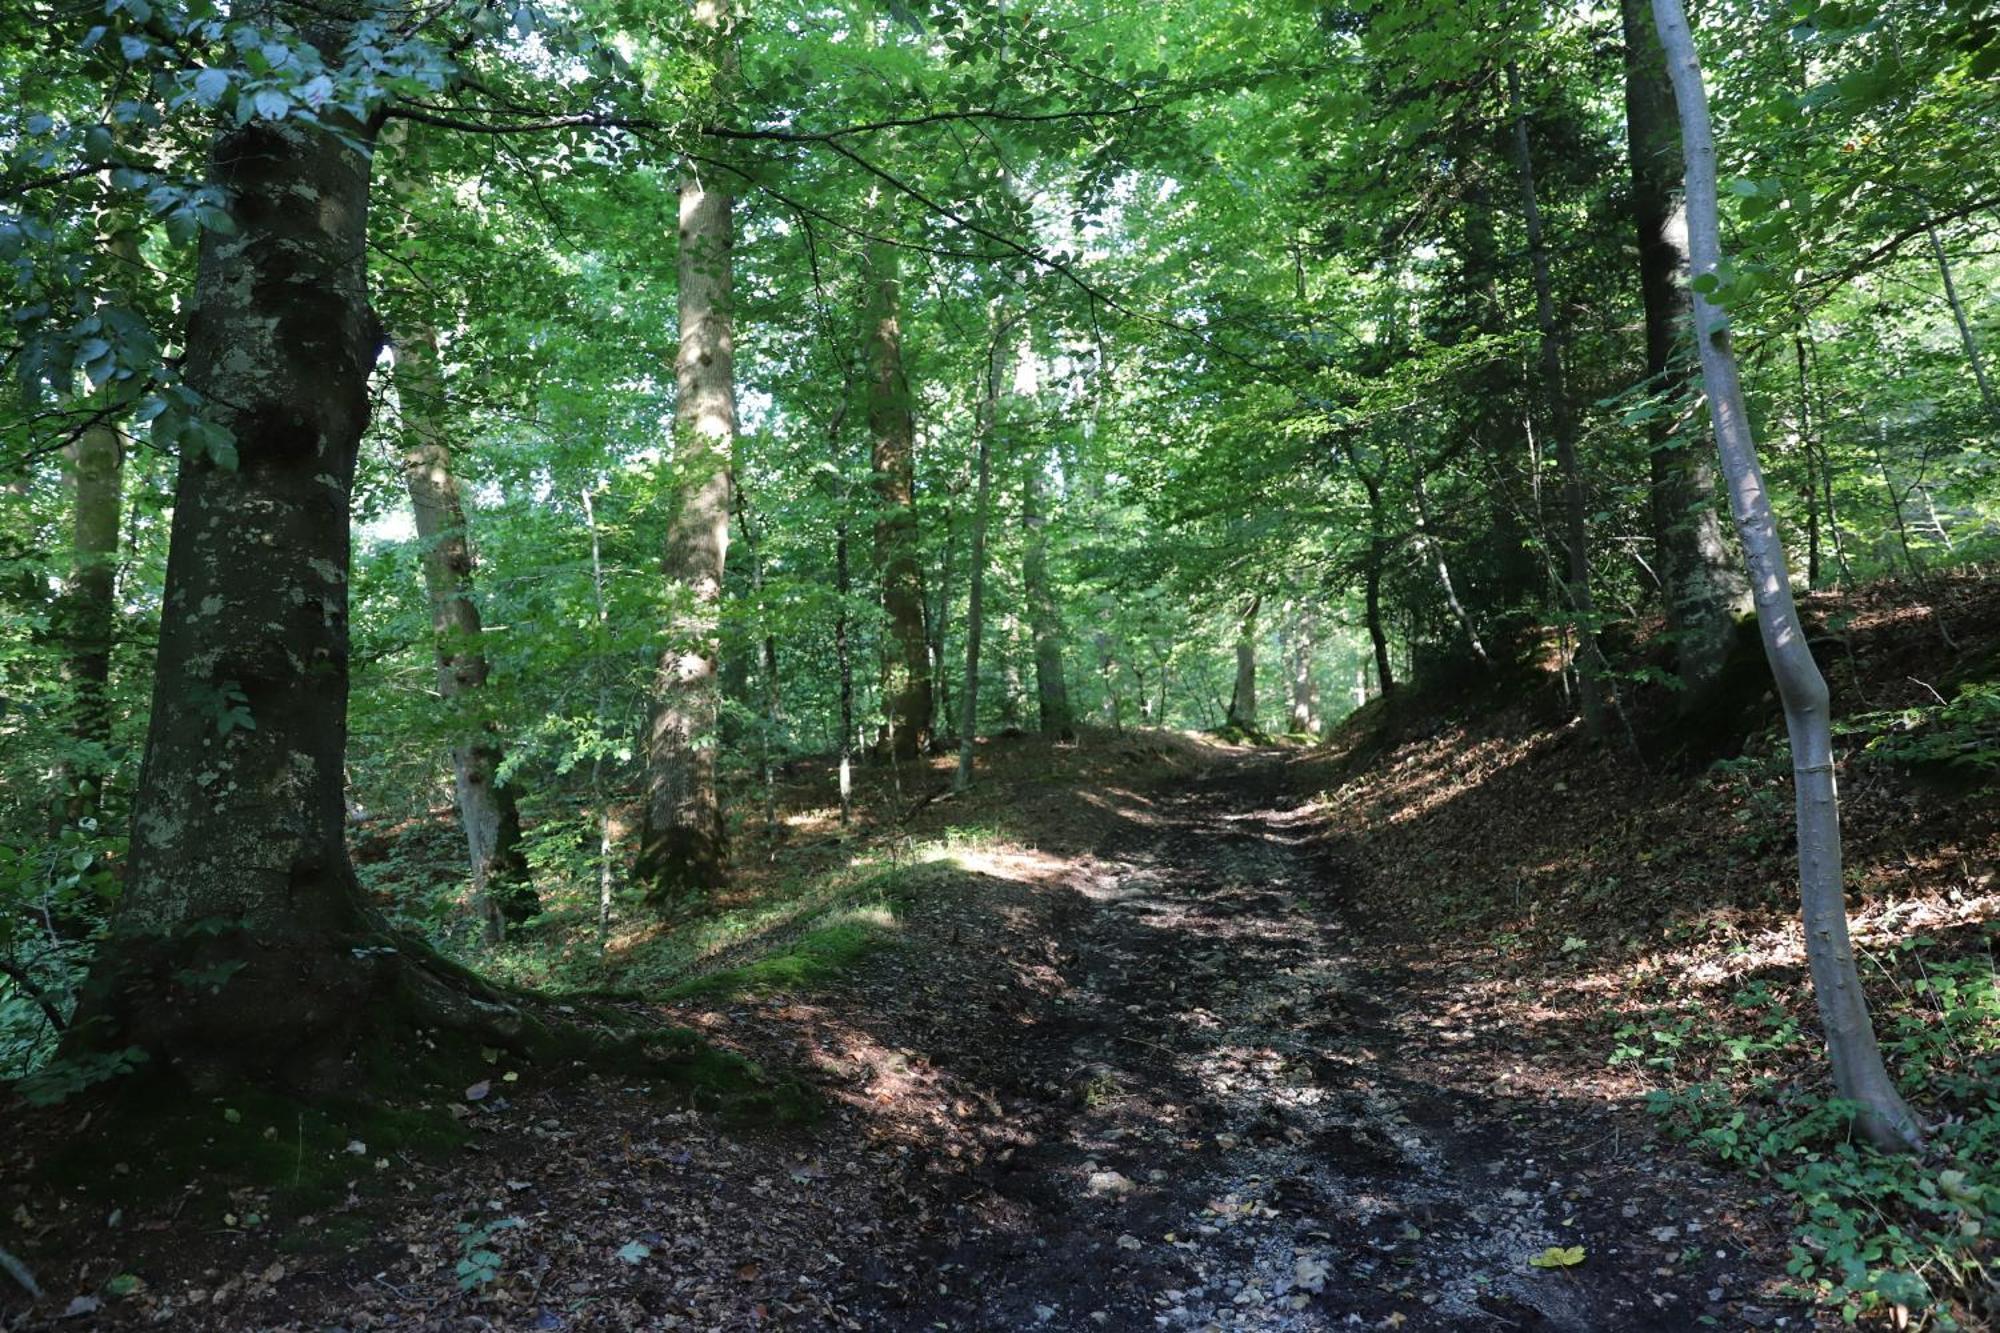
[[94, 467], [906, 671], [486, 806], [683, 847], [1372, 570], [1044, 620], [1858, 1072], [843, 655], [87, 615], [767, 672], [239, 868], [1428, 541], [1971, 344], [1243, 697], [1562, 427], [1304, 718], [1702, 589], [975, 611]]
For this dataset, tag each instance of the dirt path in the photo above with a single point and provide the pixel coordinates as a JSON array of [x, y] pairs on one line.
[[1225, 1109], [1139, 1063]]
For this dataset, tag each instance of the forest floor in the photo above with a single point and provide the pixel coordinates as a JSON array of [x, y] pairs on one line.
[[1151, 1032]]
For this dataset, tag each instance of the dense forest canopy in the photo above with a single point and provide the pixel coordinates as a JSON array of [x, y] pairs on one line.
[[589, 417]]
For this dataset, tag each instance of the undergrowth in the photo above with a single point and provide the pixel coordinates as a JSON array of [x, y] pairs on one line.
[[1908, 1236]]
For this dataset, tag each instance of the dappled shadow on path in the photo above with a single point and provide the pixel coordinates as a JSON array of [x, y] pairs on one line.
[[1163, 1081]]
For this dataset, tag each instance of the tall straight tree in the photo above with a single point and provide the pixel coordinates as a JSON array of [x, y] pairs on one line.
[[1044, 616], [1561, 420], [87, 616], [1858, 1072], [486, 805], [906, 661], [1702, 589], [1243, 694], [683, 846], [986, 427]]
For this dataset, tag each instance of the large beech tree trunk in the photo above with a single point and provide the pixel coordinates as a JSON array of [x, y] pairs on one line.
[[906, 670], [1858, 1072], [683, 848], [1702, 589], [486, 806], [1562, 426], [242, 948]]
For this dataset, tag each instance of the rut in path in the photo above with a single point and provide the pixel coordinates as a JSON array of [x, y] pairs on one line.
[[1240, 1113]]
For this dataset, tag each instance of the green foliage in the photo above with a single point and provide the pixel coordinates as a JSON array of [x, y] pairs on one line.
[[480, 1263], [1874, 1230], [1962, 735], [57, 1080]]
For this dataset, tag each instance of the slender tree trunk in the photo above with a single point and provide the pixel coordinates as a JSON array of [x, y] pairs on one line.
[[1858, 1072], [1555, 392], [1373, 569], [1427, 540], [1802, 414], [601, 624], [1702, 588], [843, 655], [1807, 361], [975, 609], [1044, 621], [906, 672], [87, 615], [1243, 696], [486, 805], [1107, 671], [683, 847], [767, 672], [94, 467], [1972, 357], [936, 616], [1012, 690]]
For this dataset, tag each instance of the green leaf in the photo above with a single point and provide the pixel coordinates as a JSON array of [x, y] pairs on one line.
[[1558, 1256], [210, 85]]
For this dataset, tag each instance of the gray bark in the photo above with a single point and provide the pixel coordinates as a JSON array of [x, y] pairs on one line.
[[1243, 696], [1305, 712], [87, 616], [975, 611], [906, 670], [238, 854], [1858, 1072], [683, 847], [486, 805], [1044, 620]]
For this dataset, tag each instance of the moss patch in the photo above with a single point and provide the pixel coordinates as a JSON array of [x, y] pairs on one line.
[[809, 961]]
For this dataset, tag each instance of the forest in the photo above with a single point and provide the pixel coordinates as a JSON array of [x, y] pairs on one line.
[[960, 664]]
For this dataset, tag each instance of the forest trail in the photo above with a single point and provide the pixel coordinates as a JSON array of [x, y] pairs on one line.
[[1137, 1058], [1229, 1105]]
